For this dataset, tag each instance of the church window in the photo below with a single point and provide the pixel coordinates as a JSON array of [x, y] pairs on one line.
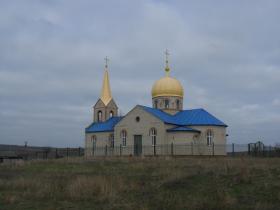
[[111, 114], [178, 104], [209, 137], [111, 141], [166, 102], [156, 104], [93, 141], [123, 137], [99, 116], [153, 134]]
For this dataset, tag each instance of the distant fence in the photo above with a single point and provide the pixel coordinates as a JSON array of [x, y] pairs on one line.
[[29, 153]]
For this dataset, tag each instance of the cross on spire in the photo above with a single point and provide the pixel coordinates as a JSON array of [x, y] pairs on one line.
[[167, 69], [106, 62]]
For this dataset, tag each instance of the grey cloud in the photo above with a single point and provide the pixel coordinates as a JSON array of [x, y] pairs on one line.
[[226, 54]]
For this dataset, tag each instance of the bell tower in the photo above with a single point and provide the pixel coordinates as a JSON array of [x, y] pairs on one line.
[[105, 107]]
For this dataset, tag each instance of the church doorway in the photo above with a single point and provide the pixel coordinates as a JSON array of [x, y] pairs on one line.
[[137, 145]]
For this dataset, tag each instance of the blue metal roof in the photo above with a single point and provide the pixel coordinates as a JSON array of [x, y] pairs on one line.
[[182, 129], [186, 117], [106, 126]]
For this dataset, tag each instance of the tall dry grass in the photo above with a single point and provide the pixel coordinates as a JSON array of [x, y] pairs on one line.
[[137, 183]]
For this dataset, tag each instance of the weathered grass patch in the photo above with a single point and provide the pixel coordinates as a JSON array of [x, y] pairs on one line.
[[150, 183]]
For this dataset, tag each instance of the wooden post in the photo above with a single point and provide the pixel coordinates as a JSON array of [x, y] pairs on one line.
[[56, 153], [192, 147], [79, 151], [67, 152], [213, 149], [249, 149], [172, 151], [232, 149], [154, 150], [106, 150]]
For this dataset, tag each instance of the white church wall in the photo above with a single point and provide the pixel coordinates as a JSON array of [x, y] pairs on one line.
[[191, 143], [102, 139], [219, 140], [182, 142]]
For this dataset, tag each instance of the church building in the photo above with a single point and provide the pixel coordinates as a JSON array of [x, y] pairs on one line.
[[163, 129]]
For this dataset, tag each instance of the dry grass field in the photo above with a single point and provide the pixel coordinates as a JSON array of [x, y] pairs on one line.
[[149, 183]]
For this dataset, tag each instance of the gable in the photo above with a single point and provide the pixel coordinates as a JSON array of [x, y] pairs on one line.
[[112, 103], [99, 104], [145, 117]]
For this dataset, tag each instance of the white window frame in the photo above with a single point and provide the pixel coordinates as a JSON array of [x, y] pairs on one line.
[[153, 134], [93, 141], [209, 137], [124, 137], [99, 116], [111, 114]]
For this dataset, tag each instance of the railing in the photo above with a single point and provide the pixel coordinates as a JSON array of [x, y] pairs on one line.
[[253, 150], [185, 150]]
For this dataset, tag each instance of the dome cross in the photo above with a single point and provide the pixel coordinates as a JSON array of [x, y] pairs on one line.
[[167, 69]]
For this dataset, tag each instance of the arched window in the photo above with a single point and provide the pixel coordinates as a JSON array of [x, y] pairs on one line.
[[156, 104], [111, 140], [153, 134], [99, 116], [178, 104], [166, 103], [123, 137], [93, 141], [209, 137], [111, 114]]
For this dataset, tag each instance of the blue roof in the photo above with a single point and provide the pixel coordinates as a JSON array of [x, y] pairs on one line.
[[106, 126], [186, 117], [182, 129]]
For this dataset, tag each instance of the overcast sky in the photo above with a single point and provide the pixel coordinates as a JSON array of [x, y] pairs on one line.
[[225, 53]]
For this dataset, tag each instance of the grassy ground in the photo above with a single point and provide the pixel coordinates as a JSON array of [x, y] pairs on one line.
[[151, 183]]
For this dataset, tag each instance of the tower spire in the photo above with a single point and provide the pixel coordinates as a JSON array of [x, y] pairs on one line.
[[167, 69], [106, 94]]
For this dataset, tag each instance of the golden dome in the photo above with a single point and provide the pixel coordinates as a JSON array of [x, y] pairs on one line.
[[167, 86]]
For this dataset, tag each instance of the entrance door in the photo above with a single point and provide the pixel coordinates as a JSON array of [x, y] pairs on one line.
[[137, 145]]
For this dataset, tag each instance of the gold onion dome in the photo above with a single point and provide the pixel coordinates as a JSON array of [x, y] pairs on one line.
[[167, 86]]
